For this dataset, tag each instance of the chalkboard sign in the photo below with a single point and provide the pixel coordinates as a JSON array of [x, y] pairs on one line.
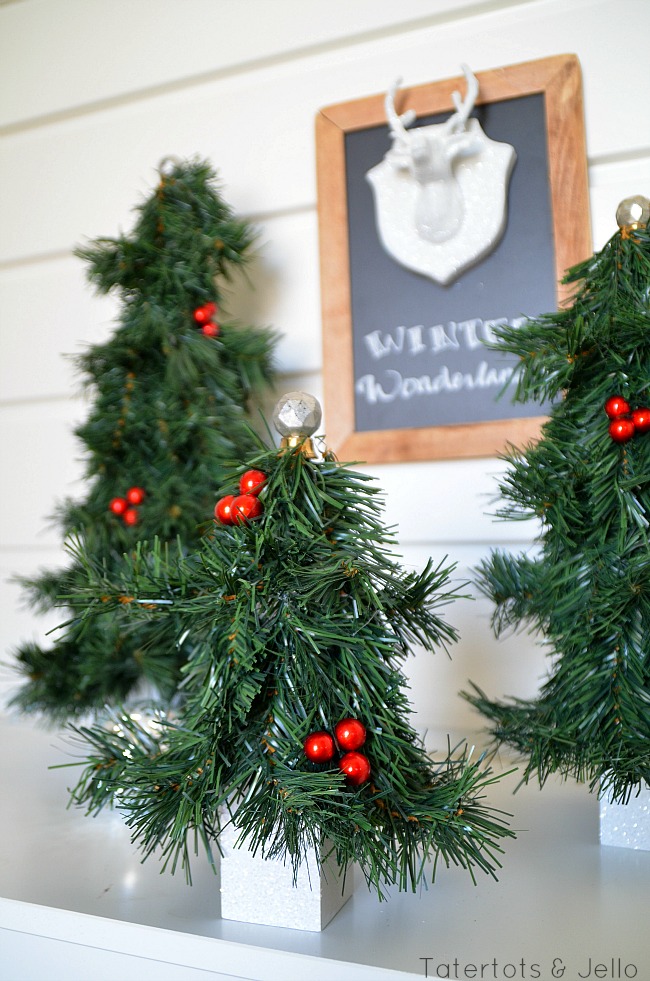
[[407, 373]]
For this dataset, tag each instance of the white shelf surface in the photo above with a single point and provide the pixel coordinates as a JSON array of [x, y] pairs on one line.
[[76, 902]]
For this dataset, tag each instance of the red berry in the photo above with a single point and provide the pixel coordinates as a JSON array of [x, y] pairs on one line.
[[205, 313], [118, 505], [210, 329], [616, 406], [621, 430], [135, 495], [350, 734], [319, 747], [641, 420], [223, 509], [252, 482], [356, 767], [130, 516], [244, 507]]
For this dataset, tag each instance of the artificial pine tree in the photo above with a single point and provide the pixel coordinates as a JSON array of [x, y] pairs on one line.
[[585, 589], [172, 388], [295, 719]]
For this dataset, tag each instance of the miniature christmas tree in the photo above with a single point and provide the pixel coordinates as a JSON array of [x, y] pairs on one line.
[[295, 719], [586, 588], [171, 388]]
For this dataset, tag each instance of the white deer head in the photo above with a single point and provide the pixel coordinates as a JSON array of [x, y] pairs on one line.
[[429, 155], [435, 207]]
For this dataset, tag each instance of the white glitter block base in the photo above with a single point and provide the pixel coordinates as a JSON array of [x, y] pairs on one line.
[[626, 825], [258, 890]]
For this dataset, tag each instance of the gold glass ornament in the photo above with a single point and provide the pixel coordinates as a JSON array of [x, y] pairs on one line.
[[633, 212]]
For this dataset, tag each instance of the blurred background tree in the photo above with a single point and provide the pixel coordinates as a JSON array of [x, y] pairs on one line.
[[173, 390]]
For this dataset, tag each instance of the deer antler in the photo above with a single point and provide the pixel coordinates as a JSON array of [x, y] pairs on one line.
[[397, 123], [463, 106]]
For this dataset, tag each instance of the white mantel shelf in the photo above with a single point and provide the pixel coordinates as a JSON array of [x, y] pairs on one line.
[[76, 903]]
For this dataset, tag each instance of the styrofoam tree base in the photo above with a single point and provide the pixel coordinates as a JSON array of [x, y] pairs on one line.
[[626, 825], [258, 890]]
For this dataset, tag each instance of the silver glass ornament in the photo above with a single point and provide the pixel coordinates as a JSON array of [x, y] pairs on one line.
[[297, 415]]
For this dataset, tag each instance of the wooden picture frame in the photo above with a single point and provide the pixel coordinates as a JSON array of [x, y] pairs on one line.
[[556, 82]]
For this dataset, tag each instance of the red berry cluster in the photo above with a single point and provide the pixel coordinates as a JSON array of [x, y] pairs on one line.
[[236, 509], [204, 316], [350, 734], [625, 422], [127, 506]]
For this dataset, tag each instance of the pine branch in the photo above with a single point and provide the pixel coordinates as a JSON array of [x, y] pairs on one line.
[[294, 621], [584, 591]]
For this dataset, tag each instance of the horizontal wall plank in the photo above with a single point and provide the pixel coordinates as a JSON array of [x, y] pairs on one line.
[[509, 665], [52, 314], [120, 48], [39, 461], [465, 555], [512, 665], [280, 288], [81, 175], [610, 183], [446, 501]]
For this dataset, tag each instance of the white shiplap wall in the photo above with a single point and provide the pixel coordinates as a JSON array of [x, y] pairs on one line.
[[93, 93]]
